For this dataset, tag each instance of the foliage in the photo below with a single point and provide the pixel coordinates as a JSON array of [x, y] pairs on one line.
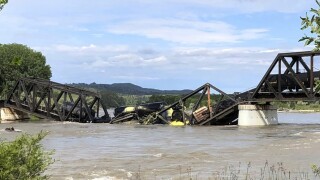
[[168, 99], [132, 100], [128, 89], [24, 158], [125, 94], [300, 105], [315, 170], [313, 23], [317, 86], [111, 99], [18, 61], [2, 3]]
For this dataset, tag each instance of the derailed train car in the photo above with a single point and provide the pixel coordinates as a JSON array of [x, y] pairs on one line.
[[135, 113], [222, 112]]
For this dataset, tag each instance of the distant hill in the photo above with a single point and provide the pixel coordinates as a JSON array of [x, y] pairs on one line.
[[128, 88]]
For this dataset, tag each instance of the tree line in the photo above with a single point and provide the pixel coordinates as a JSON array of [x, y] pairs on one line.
[[17, 61]]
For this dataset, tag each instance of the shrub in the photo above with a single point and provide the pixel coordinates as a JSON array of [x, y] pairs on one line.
[[24, 158]]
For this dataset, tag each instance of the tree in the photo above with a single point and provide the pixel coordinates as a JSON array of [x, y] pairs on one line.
[[168, 99], [111, 99], [24, 158], [2, 3], [18, 61], [312, 23]]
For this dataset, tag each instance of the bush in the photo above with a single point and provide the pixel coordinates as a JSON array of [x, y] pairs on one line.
[[24, 158]]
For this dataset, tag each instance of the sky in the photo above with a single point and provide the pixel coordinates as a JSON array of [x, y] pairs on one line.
[[163, 44]]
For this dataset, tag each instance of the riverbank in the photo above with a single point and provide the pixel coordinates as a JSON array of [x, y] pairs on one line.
[[298, 111]]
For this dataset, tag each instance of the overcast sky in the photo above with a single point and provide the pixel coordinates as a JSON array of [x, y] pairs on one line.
[[165, 44]]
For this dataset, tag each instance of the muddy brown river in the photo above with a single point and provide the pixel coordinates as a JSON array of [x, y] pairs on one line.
[[104, 151]]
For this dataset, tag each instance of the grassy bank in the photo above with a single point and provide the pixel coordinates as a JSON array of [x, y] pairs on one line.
[[298, 106], [246, 171]]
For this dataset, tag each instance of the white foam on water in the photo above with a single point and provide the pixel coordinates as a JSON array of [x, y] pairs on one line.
[[298, 134], [157, 155], [106, 178], [129, 174]]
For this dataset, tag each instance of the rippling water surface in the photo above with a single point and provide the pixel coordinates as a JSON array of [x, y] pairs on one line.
[[104, 151]]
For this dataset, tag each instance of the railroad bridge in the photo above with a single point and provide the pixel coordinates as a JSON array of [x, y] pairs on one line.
[[291, 77], [51, 100]]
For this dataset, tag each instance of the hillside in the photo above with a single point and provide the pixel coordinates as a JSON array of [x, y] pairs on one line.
[[128, 89]]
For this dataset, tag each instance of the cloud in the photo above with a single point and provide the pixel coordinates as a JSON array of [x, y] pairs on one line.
[[134, 77], [85, 50], [180, 59], [244, 6], [125, 61], [186, 31], [167, 41], [190, 66]]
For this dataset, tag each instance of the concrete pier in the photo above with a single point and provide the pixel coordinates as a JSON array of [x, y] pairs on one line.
[[9, 115], [257, 115]]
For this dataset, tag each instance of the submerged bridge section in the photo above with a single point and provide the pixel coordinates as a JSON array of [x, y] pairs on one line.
[[56, 101]]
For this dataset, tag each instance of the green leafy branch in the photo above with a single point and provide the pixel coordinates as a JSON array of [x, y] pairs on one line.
[[24, 158], [313, 24], [2, 3]]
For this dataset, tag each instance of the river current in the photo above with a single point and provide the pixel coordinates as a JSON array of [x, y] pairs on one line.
[[104, 151]]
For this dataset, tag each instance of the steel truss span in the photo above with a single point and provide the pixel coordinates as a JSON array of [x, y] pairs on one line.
[[291, 77], [51, 100]]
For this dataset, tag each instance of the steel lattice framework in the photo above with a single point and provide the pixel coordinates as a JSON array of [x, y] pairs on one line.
[[56, 101], [294, 80]]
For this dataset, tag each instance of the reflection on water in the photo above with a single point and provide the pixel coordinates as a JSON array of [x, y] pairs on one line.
[[104, 151]]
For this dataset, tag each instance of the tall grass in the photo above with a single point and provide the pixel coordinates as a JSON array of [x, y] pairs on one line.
[[238, 172]]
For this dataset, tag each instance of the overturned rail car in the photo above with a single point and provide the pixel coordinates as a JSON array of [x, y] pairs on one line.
[[135, 113]]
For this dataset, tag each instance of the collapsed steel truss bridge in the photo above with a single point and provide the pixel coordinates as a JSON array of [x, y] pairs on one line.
[[291, 77]]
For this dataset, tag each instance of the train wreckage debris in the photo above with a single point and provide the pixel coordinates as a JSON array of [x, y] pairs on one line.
[[177, 114]]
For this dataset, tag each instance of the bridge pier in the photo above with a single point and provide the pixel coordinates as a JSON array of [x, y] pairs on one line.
[[257, 115], [10, 115]]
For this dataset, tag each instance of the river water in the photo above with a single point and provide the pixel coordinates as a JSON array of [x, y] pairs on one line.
[[104, 151]]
